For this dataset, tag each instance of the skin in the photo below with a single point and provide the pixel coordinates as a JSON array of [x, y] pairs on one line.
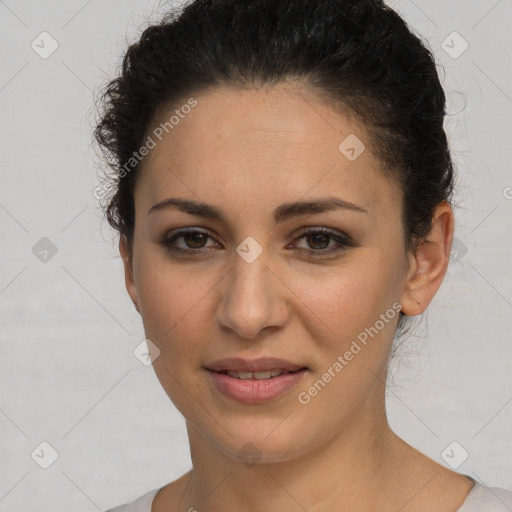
[[247, 152]]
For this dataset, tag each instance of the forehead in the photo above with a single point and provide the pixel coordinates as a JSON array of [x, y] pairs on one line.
[[261, 145]]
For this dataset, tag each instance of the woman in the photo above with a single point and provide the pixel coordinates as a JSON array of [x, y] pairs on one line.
[[282, 192]]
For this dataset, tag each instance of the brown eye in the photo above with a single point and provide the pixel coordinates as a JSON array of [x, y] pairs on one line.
[[195, 240], [319, 241], [187, 241]]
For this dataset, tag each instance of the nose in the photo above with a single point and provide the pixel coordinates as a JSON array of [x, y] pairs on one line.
[[253, 299]]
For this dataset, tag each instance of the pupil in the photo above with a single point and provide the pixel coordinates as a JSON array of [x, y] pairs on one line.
[[318, 239], [192, 238]]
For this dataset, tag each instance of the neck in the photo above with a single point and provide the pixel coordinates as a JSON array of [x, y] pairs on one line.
[[350, 471]]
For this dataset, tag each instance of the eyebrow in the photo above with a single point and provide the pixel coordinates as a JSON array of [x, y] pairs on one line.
[[281, 213]]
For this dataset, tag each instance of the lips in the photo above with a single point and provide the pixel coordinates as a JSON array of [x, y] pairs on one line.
[[255, 381], [261, 365]]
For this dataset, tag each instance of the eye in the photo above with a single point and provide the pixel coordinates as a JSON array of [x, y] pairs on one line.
[[193, 242], [320, 239]]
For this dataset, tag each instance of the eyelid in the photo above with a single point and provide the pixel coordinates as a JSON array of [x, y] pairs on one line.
[[302, 231], [329, 231]]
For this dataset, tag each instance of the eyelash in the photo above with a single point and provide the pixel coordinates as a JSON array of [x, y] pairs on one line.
[[343, 241]]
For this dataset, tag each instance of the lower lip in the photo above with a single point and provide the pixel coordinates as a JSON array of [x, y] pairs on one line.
[[253, 391]]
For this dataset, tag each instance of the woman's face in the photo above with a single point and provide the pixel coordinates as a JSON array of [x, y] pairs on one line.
[[246, 284]]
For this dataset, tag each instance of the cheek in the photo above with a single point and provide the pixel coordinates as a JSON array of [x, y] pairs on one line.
[[174, 304], [178, 312], [347, 299], [355, 349]]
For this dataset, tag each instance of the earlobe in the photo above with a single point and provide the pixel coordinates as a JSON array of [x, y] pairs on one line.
[[128, 271], [429, 263]]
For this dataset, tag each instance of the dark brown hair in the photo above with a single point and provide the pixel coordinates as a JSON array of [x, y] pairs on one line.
[[359, 54]]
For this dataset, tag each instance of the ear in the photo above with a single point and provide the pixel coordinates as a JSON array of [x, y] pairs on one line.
[[429, 263], [128, 271]]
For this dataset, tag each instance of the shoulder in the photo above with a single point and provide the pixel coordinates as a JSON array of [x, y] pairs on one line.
[[141, 504], [494, 499]]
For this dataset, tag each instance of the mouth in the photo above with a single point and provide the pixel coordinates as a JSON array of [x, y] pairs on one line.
[[270, 374], [255, 381]]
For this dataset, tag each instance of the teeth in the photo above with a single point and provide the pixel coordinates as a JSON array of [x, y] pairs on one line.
[[257, 375], [244, 375]]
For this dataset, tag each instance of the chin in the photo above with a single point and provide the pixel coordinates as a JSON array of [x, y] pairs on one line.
[[255, 441]]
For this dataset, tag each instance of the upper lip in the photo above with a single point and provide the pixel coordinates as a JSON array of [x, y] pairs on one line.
[[252, 365]]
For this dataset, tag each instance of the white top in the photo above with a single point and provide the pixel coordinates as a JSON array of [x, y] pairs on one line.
[[493, 499]]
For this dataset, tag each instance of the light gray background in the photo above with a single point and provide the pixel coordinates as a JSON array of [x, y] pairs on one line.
[[68, 330]]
